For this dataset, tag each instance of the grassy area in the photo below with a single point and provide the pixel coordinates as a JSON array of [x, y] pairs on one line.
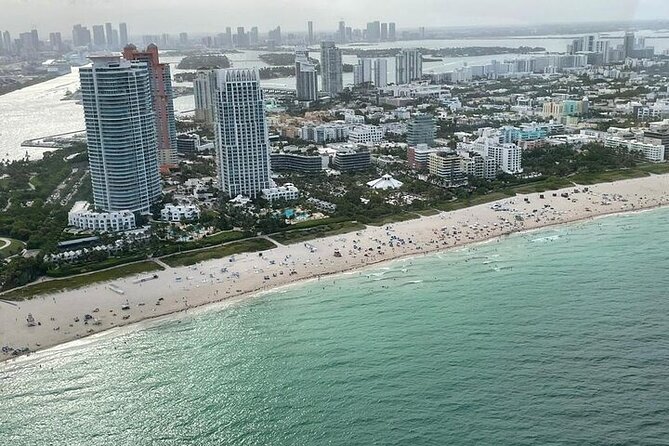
[[67, 270], [656, 168], [608, 176], [14, 247], [542, 186], [191, 258], [395, 218], [70, 283], [473, 201], [302, 235], [428, 212]]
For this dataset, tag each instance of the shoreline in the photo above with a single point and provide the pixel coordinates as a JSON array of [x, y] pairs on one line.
[[304, 262]]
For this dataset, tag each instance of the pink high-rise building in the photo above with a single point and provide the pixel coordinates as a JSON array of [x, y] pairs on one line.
[[161, 86]]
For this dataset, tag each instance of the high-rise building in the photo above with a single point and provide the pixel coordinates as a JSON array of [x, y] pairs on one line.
[[34, 37], [7, 40], [628, 44], [310, 32], [362, 72], [183, 39], [253, 36], [391, 32], [408, 66], [421, 130], [274, 35], [380, 72], [384, 32], [241, 133], [228, 36], [161, 90], [306, 77], [123, 34], [121, 134], [99, 40], [242, 38], [331, 69], [55, 41], [374, 31], [203, 90], [81, 36], [341, 32], [109, 34]]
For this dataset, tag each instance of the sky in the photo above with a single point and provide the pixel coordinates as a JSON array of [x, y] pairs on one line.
[[210, 16]]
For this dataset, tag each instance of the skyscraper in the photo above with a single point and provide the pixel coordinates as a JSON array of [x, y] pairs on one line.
[[374, 31], [55, 41], [628, 44], [408, 66], [109, 34], [253, 36], [391, 32], [123, 34], [384, 32], [161, 90], [99, 40], [310, 32], [121, 133], [241, 133], [380, 72], [7, 40], [183, 39], [362, 72], [242, 38], [331, 69], [341, 32], [228, 36], [203, 90], [306, 78]]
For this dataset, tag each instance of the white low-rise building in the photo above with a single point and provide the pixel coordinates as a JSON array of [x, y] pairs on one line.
[[365, 134], [651, 152], [384, 183], [83, 217], [286, 192], [179, 212]]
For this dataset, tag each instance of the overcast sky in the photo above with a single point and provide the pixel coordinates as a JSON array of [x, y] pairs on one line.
[[173, 16]]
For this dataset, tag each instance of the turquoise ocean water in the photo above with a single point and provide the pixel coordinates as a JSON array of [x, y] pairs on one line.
[[559, 336]]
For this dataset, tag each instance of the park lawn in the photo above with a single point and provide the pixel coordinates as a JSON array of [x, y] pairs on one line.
[[191, 258], [302, 235], [71, 283], [14, 247]]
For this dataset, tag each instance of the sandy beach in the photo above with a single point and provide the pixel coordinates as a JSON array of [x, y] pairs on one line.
[[61, 317]]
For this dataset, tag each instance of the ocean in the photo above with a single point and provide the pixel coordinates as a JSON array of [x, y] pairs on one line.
[[551, 337]]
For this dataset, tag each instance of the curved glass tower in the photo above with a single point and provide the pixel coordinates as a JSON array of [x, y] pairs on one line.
[[121, 133]]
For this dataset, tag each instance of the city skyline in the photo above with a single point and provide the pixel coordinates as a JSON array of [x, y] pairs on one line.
[[49, 17]]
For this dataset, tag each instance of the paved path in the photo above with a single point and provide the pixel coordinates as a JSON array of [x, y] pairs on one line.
[[5, 243], [161, 263]]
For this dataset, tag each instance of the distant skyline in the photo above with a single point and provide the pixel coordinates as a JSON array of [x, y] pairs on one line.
[[210, 16]]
